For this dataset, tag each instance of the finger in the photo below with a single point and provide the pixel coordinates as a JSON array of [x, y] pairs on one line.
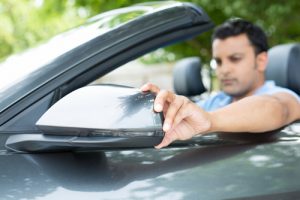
[[150, 87], [171, 114], [183, 112], [162, 100], [165, 142], [165, 109]]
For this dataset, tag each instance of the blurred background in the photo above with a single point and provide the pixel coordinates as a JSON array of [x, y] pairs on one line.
[[28, 23]]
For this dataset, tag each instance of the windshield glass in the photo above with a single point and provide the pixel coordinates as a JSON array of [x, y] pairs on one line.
[[18, 66], [17, 69]]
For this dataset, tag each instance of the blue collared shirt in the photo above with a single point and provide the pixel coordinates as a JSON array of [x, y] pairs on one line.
[[221, 99]]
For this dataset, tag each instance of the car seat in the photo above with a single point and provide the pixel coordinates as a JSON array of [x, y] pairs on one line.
[[187, 78], [284, 66]]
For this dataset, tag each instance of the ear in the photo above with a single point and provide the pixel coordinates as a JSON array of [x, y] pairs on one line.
[[262, 61]]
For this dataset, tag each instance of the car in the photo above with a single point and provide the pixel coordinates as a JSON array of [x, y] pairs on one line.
[[44, 160]]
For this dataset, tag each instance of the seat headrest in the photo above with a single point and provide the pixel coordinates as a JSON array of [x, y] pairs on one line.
[[284, 66], [187, 79]]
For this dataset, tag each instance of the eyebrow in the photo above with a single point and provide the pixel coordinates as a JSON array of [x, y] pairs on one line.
[[236, 54], [231, 55]]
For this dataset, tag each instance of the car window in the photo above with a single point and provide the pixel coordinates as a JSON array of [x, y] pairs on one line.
[[19, 67], [137, 72]]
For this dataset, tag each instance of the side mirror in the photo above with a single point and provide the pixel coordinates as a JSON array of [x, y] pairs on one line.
[[103, 110], [96, 116]]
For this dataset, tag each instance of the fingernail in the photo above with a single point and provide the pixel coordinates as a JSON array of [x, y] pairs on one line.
[[166, 127], [158, 107]]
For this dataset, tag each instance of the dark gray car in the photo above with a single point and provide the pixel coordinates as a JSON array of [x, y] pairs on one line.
[[75, 163]]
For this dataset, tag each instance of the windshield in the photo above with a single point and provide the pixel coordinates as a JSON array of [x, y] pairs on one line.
[[18, 69], [18, 66], [18, 74]]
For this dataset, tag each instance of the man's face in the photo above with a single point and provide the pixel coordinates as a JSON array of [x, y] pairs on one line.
[[237, 68]]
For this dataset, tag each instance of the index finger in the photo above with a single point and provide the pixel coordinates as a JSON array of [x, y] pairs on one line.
[[150, 87]]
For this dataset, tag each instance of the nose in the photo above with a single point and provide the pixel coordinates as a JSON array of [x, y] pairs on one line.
[[224, 69]]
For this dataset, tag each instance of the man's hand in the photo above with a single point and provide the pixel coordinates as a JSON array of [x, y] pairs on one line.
[[183, 118]]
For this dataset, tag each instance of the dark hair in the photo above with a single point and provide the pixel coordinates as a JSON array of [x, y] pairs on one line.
[[234, 27]]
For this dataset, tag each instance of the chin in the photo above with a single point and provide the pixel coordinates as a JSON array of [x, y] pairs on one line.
[[232, 92], [229, 91], [236, 95]]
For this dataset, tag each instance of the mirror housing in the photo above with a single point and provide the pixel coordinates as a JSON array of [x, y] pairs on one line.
[[103, 110]]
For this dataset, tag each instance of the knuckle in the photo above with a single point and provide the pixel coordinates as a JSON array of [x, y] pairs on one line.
[[161, 95], [179, 116], [176, 103]]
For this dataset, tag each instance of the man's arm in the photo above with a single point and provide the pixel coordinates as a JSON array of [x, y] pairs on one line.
[[257, 113], [184, 119]]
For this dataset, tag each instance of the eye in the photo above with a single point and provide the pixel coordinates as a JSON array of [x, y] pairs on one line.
[[235, 59]]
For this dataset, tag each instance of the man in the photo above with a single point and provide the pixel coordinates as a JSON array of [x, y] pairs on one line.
[[239, 50]]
